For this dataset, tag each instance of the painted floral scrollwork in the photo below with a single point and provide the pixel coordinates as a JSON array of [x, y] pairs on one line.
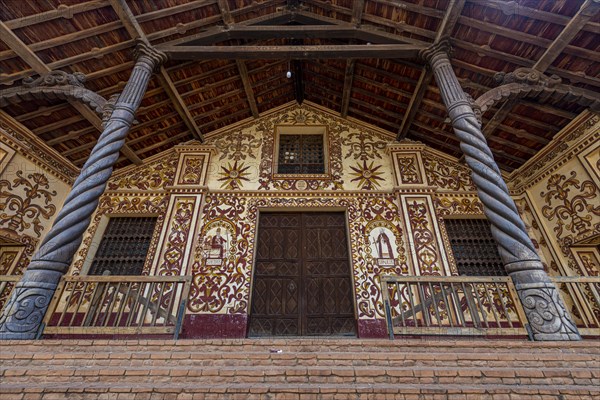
[[573, 212], [363, 146], [21, 212], [154, 176], [446, 175]]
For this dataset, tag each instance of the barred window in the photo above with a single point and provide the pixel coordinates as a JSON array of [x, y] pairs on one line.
[[475, 250], [301, 154], [124, 246]]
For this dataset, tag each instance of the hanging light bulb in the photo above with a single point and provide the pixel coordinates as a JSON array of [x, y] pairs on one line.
[[288, 74]]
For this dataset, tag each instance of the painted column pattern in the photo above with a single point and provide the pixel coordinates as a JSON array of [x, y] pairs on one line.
[[21, 318], [547, 315]]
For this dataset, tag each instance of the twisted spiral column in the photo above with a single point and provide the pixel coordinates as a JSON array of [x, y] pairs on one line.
[[548, 318], [24, 312]]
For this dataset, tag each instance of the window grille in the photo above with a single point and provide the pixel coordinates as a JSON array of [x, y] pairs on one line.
[[475, 250], [124, 246], [301, 154]]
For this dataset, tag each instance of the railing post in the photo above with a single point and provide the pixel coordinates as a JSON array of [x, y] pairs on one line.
[[22, 316], [386, 304], [545, 310]]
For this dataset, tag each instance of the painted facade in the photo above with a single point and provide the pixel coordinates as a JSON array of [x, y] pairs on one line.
[[395, 196], [34, 181]]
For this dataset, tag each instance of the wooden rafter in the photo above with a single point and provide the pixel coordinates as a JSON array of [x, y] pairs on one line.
[[40, 67], [241, 66], [445, 29], [586, 12], [498, 117], [348, 79], [357, 12], [135, 31], [524, 62], [513, 8]]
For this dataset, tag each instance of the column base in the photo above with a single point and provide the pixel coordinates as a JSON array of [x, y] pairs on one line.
[[23, 314], [546, 312]]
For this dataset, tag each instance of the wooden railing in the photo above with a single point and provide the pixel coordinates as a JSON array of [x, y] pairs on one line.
[[7, 284], [118, 305], [582, 298], [452, 305]]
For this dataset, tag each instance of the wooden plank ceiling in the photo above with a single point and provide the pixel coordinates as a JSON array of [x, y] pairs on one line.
[[189, 99]]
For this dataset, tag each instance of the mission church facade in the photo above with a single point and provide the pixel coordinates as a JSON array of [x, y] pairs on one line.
[[285, 225], [299, 168]]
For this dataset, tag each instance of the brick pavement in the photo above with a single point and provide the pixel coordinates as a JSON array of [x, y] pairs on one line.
[[304, 369]]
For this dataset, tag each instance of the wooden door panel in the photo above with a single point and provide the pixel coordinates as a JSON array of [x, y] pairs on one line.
[[302, 283]]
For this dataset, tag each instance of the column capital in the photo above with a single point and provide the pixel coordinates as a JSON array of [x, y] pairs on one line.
[[154, 56], [441, 48]]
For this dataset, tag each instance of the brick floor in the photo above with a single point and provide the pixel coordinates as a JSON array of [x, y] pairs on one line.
[[305, 369]]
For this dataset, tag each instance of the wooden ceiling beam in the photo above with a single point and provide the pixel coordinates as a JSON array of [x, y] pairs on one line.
[[412, 7], [378, 109], [415, 102], [291, 52], [168, 129], [501, 153], [384, 87], [586, 12], [523, 62], [377, 20], [41, 111], [243, 70], [522, 133], [535, 123], [170, 139], [71, 135], [374, 120], [511, 145], [136, 32], [383, 99], [241, 66], [445, 29], [170, 11], [357, 12], [64, 39], [225, 12], [40, 67], [60, 12], [214, 99], [525, 37], [230, 116], [547, 108], [499, 116], [384, 73], [275, 89], [178, 103], [347, 91], [57, 124], [513, 8]]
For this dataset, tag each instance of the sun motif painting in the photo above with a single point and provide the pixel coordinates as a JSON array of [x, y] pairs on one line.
[[234, 175]]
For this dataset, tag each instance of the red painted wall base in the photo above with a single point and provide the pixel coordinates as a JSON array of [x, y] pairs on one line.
[[372, 329], [223, 326]]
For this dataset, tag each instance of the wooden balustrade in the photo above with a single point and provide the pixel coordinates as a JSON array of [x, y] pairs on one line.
[[99, 305], [582, 297], [452, 305]]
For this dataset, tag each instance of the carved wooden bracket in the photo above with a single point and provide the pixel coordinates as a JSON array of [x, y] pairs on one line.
[[53, 85], [529, 83]]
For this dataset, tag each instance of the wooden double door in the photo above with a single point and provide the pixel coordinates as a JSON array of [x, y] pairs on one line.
[[302, 283]]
